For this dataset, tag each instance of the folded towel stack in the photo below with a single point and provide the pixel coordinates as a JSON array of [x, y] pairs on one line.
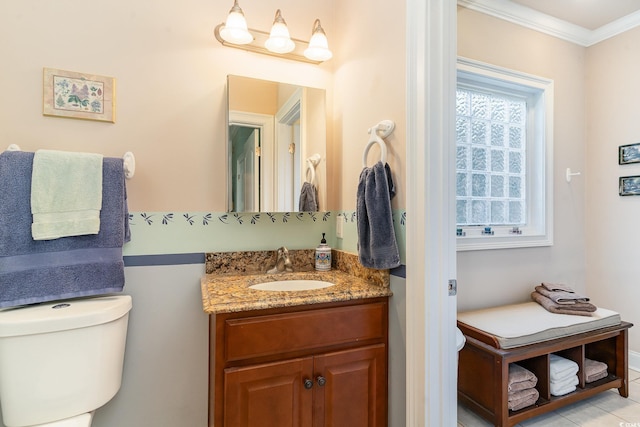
[[521, 388], [563, 377], [562, 299], [594, 370]]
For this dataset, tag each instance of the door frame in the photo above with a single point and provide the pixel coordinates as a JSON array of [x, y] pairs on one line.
[[264, 122], [431, 374]]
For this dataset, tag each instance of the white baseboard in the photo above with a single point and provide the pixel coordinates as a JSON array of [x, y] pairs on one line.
[[634, 360]]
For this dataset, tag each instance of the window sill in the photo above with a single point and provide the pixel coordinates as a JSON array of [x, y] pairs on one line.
[[466, 243]]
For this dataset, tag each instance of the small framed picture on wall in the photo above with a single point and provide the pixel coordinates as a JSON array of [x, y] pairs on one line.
[[78, 95], [630, 185], [629, 154]]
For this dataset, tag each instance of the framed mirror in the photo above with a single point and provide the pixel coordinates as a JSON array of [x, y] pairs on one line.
[[276, 150]]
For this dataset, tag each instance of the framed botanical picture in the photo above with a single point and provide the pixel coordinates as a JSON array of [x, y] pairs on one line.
[[78, 95], [630, 185], [629, 154]]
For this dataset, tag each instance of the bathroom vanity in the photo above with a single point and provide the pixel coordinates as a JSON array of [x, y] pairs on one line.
[[313, 365], [298, 358]]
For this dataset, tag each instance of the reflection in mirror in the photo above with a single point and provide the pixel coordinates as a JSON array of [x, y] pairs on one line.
[[276, 146]]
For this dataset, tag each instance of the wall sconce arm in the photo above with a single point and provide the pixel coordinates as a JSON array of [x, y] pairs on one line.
[[257, 45]]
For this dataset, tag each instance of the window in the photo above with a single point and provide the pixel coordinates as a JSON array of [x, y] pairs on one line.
[[504, 122]]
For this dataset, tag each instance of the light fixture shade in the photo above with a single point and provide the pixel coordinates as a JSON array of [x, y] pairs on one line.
[[318, 49], [235, 28], [279, 40]]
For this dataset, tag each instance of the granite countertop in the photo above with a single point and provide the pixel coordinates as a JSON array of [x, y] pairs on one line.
[[225, 287]]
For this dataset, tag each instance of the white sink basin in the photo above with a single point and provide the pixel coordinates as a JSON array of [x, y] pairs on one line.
[[292, 285]]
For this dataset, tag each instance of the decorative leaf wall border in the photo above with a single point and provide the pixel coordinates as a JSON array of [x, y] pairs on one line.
[[235, 218]]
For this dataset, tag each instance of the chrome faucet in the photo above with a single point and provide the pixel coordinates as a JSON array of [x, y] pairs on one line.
[[283, 263]]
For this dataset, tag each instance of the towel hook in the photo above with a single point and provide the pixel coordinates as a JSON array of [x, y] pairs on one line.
[[312, 162], [385, 128], [569, 174], [129, 164]]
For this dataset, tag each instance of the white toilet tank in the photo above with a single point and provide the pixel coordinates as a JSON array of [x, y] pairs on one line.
[[61, 359]]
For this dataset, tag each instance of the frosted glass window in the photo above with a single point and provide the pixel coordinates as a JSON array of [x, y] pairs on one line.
[[504, 157], [497, 148]]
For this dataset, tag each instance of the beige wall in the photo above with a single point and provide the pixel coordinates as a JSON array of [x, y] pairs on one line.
[[370, 85], [494, 277], [254, 96], [612, 231], [170, 73]]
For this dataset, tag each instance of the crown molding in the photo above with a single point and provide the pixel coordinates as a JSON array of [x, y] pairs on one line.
[[527, 17]]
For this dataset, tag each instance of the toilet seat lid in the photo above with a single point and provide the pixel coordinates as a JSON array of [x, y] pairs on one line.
[[63, 315]]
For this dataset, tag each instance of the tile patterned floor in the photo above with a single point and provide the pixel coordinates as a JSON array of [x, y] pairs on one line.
[[606, 409]]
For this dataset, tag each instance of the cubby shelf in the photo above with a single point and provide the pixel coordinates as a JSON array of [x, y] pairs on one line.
[[483, 372]]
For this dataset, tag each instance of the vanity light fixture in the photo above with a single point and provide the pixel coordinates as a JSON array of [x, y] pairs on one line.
[[235, 28], [279, 40], [318, 46], [234, 33]]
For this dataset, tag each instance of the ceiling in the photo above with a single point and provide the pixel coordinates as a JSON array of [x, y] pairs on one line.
[[589, 14], [584, 22]]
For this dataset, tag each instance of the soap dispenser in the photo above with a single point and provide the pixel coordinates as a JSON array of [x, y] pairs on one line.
[[323, 256]]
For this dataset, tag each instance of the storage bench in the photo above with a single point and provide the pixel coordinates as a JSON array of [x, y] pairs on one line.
[[483, 367]]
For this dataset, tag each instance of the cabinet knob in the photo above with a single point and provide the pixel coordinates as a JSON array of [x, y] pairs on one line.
[[308, 383], [321, 380]]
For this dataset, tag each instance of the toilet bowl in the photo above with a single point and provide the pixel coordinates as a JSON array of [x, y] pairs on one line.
[[460, 339], [62, 360], [83, 420]]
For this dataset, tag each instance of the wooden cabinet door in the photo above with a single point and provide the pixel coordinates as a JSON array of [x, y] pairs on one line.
[[354, 393], [269, 395]]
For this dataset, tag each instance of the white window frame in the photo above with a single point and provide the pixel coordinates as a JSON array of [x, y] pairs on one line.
[[539, 163]]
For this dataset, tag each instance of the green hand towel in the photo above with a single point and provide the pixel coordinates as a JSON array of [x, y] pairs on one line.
[[66, 194]]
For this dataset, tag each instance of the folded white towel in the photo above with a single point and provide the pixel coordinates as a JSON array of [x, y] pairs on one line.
[[561, 368], [565, 381], [564, 387], [66, 194]]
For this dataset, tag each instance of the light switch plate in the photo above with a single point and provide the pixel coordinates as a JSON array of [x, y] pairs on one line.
[[339, 226], [453, 287]]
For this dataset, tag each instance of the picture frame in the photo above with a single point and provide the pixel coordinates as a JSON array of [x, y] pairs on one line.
[[629, 185], [629, 154], [78, 95]]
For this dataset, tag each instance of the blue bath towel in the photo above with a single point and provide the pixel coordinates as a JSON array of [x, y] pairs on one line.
[[377, 245], [44, 270]]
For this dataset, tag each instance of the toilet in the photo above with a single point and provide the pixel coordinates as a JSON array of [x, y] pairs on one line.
[[60, 361], [460, 339]]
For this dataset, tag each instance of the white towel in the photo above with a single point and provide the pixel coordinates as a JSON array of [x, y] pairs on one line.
[[570, 380], [561, 368], [563, 387], [66, 194]]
